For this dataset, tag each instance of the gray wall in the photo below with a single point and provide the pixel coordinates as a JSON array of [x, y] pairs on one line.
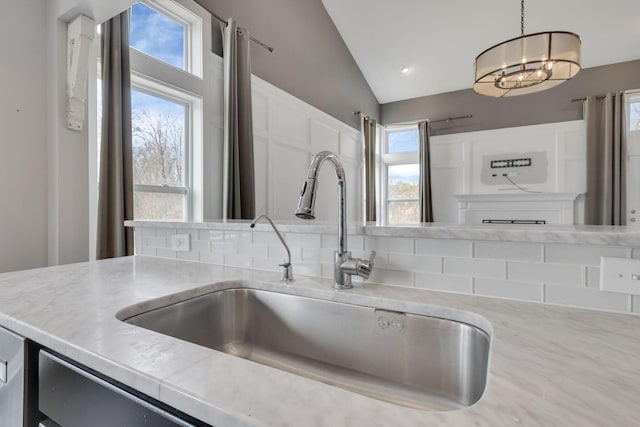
[[310, 61], [23, 139], [553, 105]]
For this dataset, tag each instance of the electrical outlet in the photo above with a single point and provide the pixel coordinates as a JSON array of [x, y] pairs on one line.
[[180, 242], [620, 275]]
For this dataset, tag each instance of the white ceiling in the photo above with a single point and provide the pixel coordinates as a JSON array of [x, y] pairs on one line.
[[439, 39]]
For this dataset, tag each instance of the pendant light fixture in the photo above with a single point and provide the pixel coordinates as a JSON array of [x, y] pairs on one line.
[[527, 64]]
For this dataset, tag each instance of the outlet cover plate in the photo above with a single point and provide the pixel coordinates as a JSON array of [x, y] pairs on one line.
[[620, 275], [180, 242]]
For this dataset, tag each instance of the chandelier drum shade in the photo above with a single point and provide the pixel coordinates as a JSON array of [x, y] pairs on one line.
[[527, 64]]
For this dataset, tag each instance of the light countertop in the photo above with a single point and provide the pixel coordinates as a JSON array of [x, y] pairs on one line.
[[548, 366], [607, 235]]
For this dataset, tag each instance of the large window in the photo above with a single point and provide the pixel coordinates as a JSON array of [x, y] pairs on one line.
[[166, 113], [160, 153], [401, 175]]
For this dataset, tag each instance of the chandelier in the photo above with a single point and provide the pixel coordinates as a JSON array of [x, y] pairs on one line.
[[527, 64]]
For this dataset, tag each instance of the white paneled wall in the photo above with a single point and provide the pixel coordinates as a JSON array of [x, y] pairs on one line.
[[287, 133], [457, 162], [539, 272]]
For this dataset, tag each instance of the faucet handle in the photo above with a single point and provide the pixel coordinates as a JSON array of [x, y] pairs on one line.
[[365, 267]]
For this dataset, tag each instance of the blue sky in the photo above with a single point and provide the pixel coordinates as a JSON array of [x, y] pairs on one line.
[[160, 37], [157, 35]]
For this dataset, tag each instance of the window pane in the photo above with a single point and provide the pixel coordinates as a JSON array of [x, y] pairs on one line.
[[634, 116], [158, 206], [403, 182], [407, 212], [406, 140], [157, 35], [158, 140]]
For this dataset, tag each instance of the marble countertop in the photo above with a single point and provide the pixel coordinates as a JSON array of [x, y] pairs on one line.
[[572, 234], [548, 366]]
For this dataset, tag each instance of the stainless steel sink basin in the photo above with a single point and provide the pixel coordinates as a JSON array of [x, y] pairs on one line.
[[406, 359]]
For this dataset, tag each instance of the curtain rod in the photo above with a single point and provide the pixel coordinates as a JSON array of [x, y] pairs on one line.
[[224, 21], [585, 98], [448, 119]]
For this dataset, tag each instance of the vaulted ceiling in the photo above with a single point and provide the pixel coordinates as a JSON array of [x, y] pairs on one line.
[[438, 40]]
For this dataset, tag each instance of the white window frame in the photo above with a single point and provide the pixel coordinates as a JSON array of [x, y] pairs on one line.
[[393, 159], [192, 23], [158, 78], [193, 105]]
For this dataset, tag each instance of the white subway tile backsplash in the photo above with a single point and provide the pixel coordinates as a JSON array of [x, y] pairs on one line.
[[166, 232], [442, 282], [389, 244], [267, 238], [580, 254], [277, 251], [145, 232], [545, 273], [517, 251], [515, 270], [391, 277], [586, 297], [422, 264], [188, 255], [252, 250], [216, 236], [156, 242], [238, 261], [267, 264], [307, 268], [166, 253], [474, 267], [211, 258], [201, 245], [238, 236], [224, 248], [593, 277], [148, 250], [444, 247], [303, 239], [508, 289]]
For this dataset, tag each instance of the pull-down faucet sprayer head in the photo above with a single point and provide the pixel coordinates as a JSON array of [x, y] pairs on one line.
[[307, 202]]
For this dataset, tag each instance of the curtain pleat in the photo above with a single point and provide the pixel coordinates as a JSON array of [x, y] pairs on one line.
[[115, 188], [239, 185], [369, 129], [426, 203], [605, 201]]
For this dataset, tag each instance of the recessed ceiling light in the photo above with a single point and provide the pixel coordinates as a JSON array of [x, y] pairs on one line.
[[404, 70]]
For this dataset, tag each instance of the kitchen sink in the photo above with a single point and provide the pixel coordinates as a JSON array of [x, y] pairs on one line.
[[411, 360]]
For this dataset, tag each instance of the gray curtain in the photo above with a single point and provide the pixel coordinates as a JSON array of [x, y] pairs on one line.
[[606, 160], [369, 128], [239, 185], [115, 188], [426, 203]]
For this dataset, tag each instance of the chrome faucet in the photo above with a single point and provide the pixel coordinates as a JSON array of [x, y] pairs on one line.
[[344, 266], [287, 268]]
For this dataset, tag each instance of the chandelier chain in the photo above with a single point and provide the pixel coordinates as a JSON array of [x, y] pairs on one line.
[[522, 17]]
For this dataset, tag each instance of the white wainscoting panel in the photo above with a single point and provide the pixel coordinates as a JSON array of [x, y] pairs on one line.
[[288, 132]]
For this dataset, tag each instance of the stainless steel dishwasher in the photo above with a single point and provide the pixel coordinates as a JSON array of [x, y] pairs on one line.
[[74, 396], [12, 378]]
